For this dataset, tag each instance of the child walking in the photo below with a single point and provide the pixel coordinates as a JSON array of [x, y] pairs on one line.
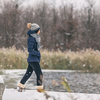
[[34, 57]]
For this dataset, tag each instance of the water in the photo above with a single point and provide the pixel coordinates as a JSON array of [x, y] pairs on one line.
[[79, 82]]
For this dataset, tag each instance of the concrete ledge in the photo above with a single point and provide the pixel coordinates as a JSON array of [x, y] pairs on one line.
[[2, 87], [12, 94]]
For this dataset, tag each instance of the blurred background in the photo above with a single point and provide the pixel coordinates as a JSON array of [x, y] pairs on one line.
[[65, 24], [70, 35]]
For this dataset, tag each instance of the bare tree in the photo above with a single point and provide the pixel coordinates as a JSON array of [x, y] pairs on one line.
[[61, 28], [10, 22]]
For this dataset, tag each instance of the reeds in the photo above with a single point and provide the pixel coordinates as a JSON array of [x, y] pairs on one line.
[[85, 60], [10, 58]]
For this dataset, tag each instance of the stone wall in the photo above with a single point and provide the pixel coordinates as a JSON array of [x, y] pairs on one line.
[[2, 87]]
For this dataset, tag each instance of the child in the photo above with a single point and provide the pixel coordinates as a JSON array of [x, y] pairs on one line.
[[34, 56]]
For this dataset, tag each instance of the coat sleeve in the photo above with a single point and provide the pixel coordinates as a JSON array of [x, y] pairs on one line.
[[31, 49]]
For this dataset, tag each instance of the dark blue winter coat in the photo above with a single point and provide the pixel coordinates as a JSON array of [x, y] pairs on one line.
[[34, 54]]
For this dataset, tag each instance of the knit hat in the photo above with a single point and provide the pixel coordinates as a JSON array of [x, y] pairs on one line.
[[33, 26]]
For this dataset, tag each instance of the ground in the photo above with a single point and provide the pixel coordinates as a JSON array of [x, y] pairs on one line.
[[12, 94]]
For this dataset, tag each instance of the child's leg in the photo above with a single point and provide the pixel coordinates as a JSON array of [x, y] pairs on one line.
[[27, 74], [38, 72]]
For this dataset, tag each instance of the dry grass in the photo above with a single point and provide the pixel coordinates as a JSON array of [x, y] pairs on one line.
[[85, 60], [12, 58]]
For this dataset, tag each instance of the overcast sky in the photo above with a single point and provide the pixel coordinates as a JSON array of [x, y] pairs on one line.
[[76, 3]]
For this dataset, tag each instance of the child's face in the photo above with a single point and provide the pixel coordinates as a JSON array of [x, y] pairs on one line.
[[38, 32]]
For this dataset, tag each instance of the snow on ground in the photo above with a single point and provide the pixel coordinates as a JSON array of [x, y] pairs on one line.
[[44, 70], [12, 94], [79, 82], [1, 80]]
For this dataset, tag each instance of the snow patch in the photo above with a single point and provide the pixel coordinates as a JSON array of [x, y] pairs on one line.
[[1, 79], [12, 94]]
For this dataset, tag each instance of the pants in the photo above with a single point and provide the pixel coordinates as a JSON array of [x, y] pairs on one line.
[[33, 66]]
